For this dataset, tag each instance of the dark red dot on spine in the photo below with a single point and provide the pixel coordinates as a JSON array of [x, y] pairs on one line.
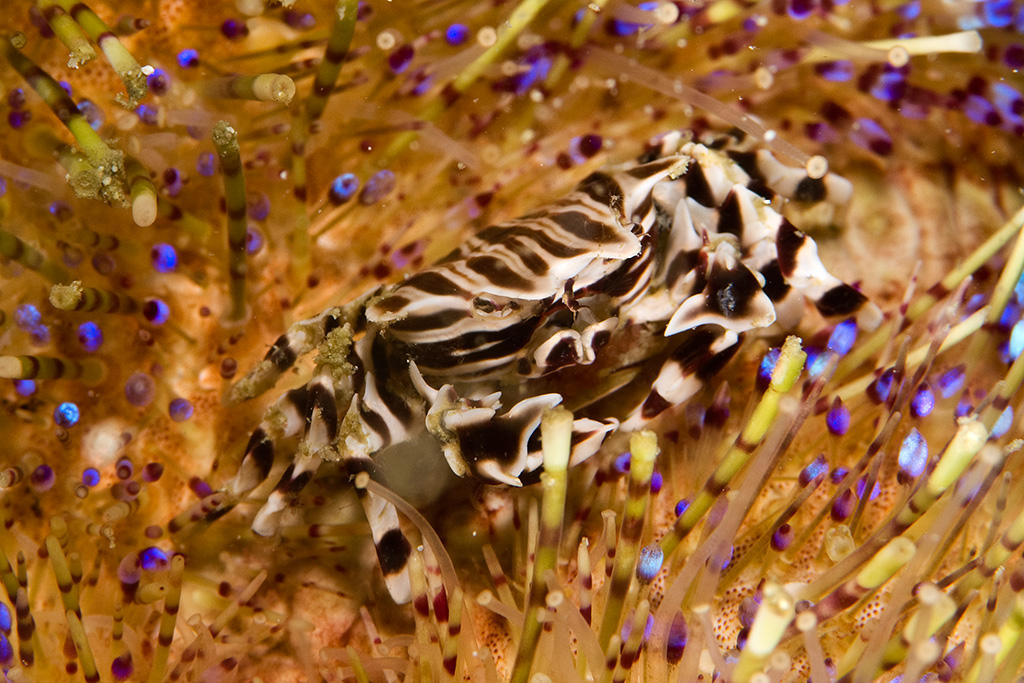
[[1014, 56], [232, 29], [590, 145], [228, 367], [400, 58]]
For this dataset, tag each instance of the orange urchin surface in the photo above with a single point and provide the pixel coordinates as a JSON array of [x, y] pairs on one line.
[[450, 117]]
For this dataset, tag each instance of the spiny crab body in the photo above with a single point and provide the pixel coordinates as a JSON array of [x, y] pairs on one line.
[[648, 272]]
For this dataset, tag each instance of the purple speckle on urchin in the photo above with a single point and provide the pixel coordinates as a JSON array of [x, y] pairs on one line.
[[124, 468], [140, 389], [923, 402], [152, 471], [42, 478], [838, 418], [377, 187], [180, 409], [121, 667]]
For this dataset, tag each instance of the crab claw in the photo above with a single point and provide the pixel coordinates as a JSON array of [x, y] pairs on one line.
[[475, 438], [732, 297]]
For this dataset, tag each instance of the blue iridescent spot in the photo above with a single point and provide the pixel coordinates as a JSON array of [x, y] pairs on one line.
[[188, 58], [998, 13], [27, 317], [838, 418], [648, 564], [966, 22], [5, 618], [153, 558], [3, 186], [92, 113], [974, 304], [621, 463], [1016, 340], [66, 415], [1010, 316], [842, 338], [880, 389], [862, 484], [626, 28], [656, 482], [764, 372], [681, 506], [65, 86], [727, 559], [25, 387], [963, 406], [164, 257], [180, 409], [6, 651], [816, 361], [923, 402], [1009, 101], [911, 10], [90, 336], [980, 110], [889, 86], [253, 240], [1004, 351], [423, 85], [156, 311], [1003, 423], [206, 165], [816, 468], [456, 34], [90, 476], [677, 637], [870, 135], [343, 188], [539, 65], [157, 81], [951, 381], [148, 114], [913, 454]]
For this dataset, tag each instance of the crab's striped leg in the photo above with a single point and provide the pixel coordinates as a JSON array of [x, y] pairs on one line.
[[716, 198], [301, 338], [670, 378], [321, 421], [282, 419], [803, 270], [368, 426]]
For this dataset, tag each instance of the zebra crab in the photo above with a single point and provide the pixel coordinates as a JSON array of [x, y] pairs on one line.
[[618, 300]]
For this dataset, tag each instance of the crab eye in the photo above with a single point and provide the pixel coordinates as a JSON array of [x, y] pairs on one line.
[[484, 305]]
